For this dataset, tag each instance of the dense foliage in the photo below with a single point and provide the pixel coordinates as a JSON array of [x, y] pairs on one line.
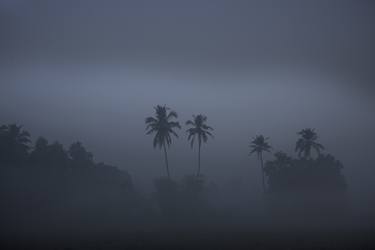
[[45, 184], [288, 174]]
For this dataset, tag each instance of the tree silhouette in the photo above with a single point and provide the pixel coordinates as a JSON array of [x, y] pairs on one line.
[[79, 155], [14, 143], [200, 130], [48, 182], [259, 145], [288, 174], [48, 155], [307, 142], [282, 161], [163, 127], [40, 151]]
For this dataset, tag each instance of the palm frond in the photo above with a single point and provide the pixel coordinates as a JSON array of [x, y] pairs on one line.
[[174, 124], [150, 131], [189, 122], [253, 151], [210, 134], [172, 114], [173, 132], [204, 136], [191, 135], [150, 120], [155, 141], [204, 126], [191, 130]]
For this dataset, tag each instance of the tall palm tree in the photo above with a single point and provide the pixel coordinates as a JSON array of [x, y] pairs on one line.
[[307, 142], [163, 127], [259, 145], [201, 131]]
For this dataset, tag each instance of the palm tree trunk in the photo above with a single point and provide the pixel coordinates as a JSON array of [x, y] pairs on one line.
[[199, 159], [308, 153], [261, 164], [166, 160]]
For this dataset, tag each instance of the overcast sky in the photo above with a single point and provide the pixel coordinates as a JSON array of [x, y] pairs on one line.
[[93, 70]]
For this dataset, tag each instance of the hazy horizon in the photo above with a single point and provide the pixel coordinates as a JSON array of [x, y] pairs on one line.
[[89, 71]]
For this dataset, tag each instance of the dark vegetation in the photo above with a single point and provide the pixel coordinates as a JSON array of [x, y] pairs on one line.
[[286, 174], [47, 186], [47, 190]]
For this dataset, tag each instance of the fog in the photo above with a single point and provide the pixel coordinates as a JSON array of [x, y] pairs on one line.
[[92, 71]]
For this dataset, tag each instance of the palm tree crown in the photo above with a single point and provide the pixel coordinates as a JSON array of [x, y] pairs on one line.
[[199, 130], [308, 142], [162, 126], [259, 144]]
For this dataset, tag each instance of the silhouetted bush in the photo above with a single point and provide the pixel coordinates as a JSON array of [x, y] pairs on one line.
[[184, 201], [167, 197], [320, 174], [306, 191], [194, 194]]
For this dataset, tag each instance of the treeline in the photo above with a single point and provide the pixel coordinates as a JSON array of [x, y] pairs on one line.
[[47, 185], [311, 185], [44, 183], [284, 173], [303, 173], [16, 152]]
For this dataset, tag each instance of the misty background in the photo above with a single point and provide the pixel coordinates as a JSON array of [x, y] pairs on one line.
[[93, 70]]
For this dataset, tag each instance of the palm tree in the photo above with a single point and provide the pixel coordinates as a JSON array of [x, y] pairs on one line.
[[308, 142], [201, 130], [259, 145], [163, 127]]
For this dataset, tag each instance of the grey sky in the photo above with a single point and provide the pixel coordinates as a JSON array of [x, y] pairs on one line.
[[93, 70]]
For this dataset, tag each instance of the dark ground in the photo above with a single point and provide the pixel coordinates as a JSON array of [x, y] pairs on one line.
[[202, 237]]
